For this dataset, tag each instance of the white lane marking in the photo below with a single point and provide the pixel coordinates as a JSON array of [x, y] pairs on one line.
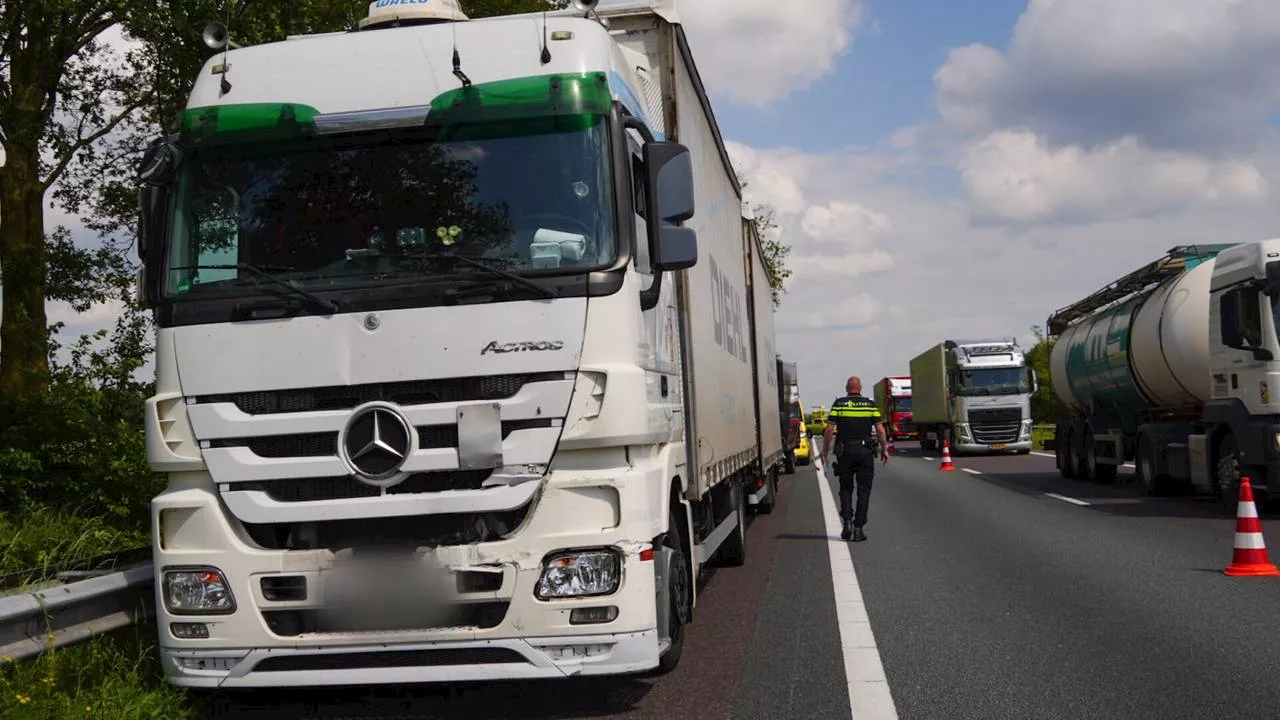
[[1064, 498], [928, 458], [1045, 454], [869, 696], [971, 471]]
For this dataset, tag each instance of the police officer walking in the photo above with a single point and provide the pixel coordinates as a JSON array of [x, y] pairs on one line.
[[856, 422]]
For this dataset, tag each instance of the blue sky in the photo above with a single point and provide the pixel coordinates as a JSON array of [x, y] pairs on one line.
[[884, 82]]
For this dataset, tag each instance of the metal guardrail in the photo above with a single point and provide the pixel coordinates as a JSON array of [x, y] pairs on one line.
[[34, 621], [68, 570]]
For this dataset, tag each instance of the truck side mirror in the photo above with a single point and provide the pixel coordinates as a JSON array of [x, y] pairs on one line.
[[1229, 320], [669, 199], [1035, 383]]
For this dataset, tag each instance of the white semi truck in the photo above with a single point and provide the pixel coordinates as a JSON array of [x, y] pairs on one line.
[[974, 394], [465, 361]]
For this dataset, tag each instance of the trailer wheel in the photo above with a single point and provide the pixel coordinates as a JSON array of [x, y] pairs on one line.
[[789, 463], [733, 552], [765, 507]]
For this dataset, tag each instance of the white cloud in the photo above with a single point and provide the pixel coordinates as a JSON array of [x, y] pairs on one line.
[[755, 52], [1015, 177], [942, 276], [1176, 74]]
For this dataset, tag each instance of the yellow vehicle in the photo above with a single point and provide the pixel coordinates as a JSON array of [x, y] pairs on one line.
[[802, 452], [817, 421]]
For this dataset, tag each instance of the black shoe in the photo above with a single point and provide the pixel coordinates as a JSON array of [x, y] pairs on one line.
[[847, 531], [858, 535]]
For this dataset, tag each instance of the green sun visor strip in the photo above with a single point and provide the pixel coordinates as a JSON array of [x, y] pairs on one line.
[[520, 106]]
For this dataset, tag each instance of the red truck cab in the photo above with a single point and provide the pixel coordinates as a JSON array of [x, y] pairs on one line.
[[893, 397]]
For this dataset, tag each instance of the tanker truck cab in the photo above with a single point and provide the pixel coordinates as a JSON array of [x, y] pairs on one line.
[[1243, 412], [426, 353]]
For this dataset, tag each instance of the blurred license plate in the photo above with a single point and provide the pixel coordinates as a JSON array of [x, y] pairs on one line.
[[997, 446], [361, 584]]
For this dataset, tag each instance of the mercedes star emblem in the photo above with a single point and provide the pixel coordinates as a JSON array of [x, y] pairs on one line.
[[376, 443]]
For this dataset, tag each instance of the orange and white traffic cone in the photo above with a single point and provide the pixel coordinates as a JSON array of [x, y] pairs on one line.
[[1250, 548], [946, 457], [890, 449]]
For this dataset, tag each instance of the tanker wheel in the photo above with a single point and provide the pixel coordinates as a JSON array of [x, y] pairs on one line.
[[1226, 475], [1064, 455], [1152, 482], [1083, 454]]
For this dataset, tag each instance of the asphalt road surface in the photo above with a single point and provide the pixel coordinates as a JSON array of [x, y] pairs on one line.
[[996, 591]]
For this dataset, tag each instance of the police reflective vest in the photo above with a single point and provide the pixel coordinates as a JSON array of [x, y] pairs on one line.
[[855, 418]]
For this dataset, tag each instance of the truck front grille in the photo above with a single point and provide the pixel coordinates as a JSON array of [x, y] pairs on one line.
[[345, 488], [414, 392], [996, 425], [409, 532], [430, 437]]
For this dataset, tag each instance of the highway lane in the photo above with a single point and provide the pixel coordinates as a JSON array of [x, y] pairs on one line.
[[765, 645], [990, 599]]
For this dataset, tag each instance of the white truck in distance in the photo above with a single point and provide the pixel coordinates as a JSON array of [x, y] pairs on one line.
[[444, 389], [974, 394]]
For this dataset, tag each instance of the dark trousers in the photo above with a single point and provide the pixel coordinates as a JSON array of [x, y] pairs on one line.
[[855, 463]]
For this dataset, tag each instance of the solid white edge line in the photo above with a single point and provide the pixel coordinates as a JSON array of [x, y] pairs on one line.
[[1046, 454], [869, 695], [1064, 498], [971, 471]]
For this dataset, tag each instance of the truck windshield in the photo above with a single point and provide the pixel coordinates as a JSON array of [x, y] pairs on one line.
[[994, 381], [330, 212], [902, 404]]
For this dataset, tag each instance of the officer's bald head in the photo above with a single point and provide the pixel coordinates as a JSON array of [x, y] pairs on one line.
[[853, 384]]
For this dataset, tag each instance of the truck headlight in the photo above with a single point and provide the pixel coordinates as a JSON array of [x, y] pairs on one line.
[[579, 574], [1026, 430], [197, 591]]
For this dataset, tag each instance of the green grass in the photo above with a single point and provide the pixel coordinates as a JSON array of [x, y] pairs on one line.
[[115, 677], [1039, 434], [107, 678], [40, 540]]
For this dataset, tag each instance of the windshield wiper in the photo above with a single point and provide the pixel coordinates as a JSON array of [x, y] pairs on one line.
[[534, 285], [499, 272], [328, 305]]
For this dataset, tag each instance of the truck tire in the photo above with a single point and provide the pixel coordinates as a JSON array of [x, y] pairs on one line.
[[733, 553], [678, 589], [1226, 475], [1062, 453], [789, 463], [765, 507], [1144, 462], [1094, 470]]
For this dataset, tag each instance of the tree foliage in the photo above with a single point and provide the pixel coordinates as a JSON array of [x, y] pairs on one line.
[[774, 250], [76, 109], [1045, 405]]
